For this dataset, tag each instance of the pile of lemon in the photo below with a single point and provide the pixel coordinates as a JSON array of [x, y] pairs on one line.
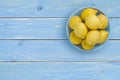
[[88, 29]]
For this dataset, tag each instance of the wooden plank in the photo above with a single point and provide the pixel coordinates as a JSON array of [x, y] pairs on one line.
[[54, 50], [43, 28], [32, 28], [60, 71], [54, 8]]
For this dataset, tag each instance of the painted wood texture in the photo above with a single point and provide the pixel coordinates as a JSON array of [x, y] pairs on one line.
[[43, 28], [60, 71], [32, 33], [54, 8], [54, 50]]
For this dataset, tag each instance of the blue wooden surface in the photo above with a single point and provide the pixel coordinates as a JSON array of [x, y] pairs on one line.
[[34, 46], [54, 50], [43, 28], [54, 8], [60, 71]]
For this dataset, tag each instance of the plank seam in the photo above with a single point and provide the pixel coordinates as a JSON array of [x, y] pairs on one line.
[[39, 17], [59, 61], [50, 39]]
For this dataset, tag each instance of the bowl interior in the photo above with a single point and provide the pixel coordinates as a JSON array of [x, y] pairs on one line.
[[68, 30]]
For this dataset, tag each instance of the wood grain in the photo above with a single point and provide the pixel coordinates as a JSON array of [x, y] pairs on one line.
[[54, 8], [43, 28], [60, 71], [34, 46], [54, 50]]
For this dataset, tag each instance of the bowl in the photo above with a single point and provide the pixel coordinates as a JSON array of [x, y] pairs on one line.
[[68, 30]]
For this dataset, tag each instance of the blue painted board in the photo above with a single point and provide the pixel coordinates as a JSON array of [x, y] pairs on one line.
[[54, 50], [43, 28], [60, 71], [52, 57], [25, 28], [54, 8]]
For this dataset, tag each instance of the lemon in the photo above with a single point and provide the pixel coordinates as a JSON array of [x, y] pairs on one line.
[[86, 46], [73, 21], [93, 37], [104, 21], [103, 36], [93, 22], [86, 12], [74, 39], [80, 30]]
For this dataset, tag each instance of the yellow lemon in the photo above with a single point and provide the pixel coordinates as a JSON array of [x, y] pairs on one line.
[[86, 12], [93, 37], [74, 39], [73, 21], [80, 30], [104, 21], [93, 22], [103, 36], [86, 46]]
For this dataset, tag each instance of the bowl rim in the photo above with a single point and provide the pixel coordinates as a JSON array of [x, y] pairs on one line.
[[100, 45]]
